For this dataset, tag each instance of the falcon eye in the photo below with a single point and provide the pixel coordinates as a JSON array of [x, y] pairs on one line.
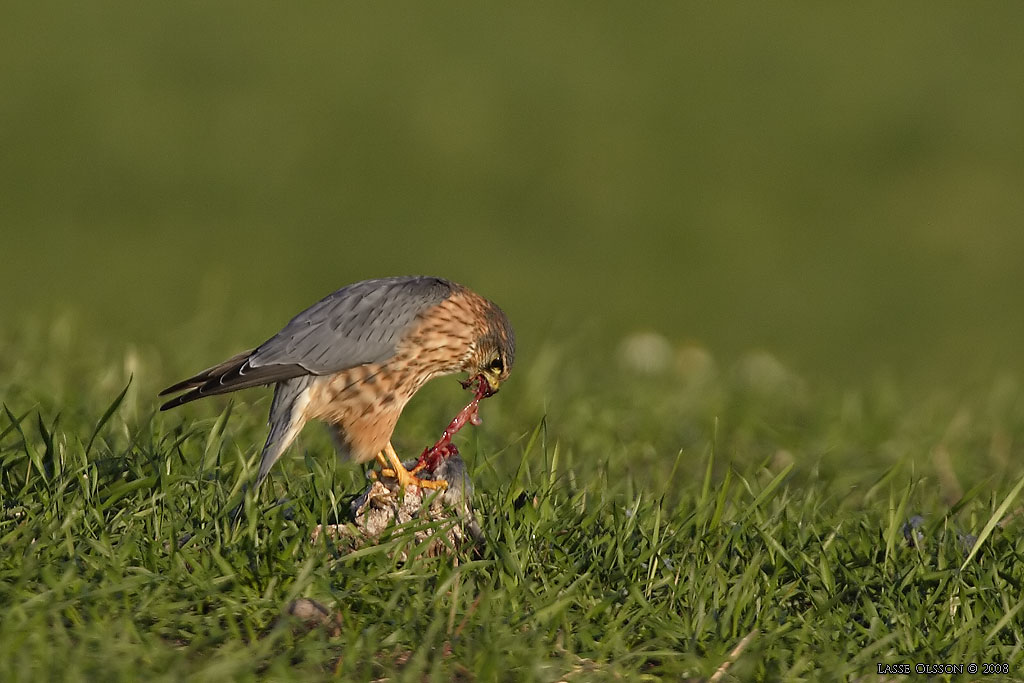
[[496, 365]]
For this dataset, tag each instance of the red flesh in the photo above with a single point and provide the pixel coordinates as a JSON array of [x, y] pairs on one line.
[[444, 448]]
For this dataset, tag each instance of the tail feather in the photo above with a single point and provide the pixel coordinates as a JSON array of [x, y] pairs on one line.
[[200, 378], [233, 374], [287, 417]]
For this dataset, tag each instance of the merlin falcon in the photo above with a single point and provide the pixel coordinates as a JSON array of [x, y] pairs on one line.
[[356, 357]]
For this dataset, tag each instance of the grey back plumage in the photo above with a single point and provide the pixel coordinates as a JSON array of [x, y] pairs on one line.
[[358, 324]]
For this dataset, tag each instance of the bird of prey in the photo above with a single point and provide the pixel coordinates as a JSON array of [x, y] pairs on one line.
[[356, 357]]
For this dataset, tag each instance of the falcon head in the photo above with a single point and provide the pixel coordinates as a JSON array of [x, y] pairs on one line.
[[494, 355]]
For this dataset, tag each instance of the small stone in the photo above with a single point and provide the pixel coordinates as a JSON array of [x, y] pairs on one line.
[[912, 530], [313, 614]]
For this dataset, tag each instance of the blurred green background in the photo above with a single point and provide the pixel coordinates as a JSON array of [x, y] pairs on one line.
[[841, 186]]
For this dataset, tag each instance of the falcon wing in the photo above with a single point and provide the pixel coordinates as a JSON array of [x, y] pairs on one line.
[[358, 324]]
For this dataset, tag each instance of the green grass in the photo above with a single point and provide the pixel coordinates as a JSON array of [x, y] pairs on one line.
[[836, 185], [644, 528]]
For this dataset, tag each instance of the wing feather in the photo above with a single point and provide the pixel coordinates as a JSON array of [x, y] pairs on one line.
[[355, 325], [358, 324]]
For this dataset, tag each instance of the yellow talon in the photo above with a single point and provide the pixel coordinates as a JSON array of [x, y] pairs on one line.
[[393, 468]]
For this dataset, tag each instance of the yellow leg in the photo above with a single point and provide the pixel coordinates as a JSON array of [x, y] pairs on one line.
[[392, 467]]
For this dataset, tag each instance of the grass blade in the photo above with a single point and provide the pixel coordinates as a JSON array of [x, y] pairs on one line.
[[993, 521], [896, 520], [767, 491], [111, 409], [15, 422], [1001, 624]]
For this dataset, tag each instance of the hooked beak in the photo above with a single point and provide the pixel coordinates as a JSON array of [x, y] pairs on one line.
[[486, 384], [493, 382]]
